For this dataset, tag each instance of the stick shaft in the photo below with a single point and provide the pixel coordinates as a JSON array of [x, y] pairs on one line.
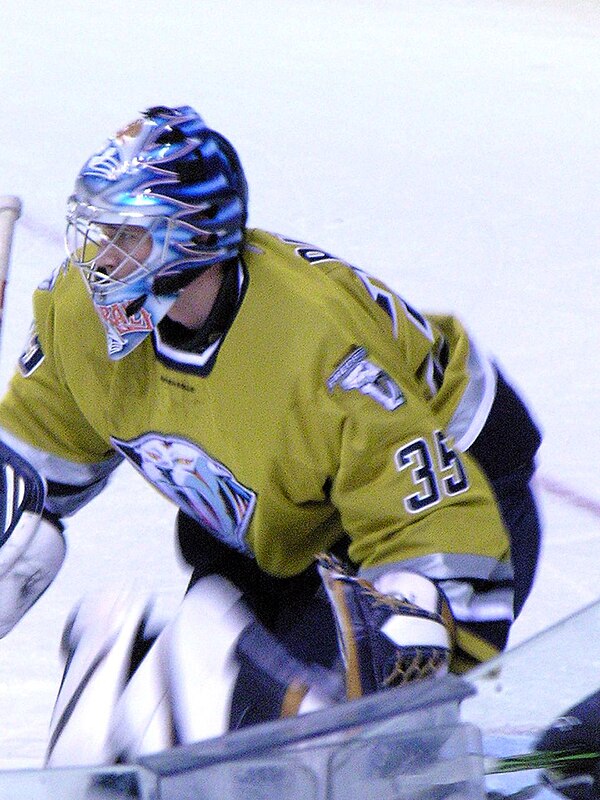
[[10, 211]]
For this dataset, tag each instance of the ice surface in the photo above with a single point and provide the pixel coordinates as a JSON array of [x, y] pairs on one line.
[[450, 148]]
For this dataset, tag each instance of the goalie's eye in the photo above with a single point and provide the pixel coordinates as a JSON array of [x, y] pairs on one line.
[[121, 249], [125, 237]]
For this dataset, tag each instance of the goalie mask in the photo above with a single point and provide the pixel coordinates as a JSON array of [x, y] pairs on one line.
[[165, 199]]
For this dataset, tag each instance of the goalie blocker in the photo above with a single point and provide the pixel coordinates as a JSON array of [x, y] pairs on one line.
[[133, 685], [32, 547]]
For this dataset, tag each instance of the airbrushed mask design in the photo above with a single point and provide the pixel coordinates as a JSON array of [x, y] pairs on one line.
[[165, 199]]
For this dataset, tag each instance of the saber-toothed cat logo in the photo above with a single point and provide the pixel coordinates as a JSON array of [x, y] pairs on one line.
[[199, 485]]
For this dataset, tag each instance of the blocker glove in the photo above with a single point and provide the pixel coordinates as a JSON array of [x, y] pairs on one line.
[[32, 545]]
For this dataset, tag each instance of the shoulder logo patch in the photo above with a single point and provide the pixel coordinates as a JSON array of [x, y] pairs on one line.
[[357, 372]]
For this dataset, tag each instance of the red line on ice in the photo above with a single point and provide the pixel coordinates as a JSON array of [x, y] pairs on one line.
[[568, 494]]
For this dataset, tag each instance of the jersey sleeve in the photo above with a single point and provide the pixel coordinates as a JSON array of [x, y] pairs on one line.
[[408, 497], [40, 420]]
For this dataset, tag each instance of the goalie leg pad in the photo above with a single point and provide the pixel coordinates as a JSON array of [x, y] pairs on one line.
[[100, 640], [196, 651], [131, 687], [279, 675], [386, 639]]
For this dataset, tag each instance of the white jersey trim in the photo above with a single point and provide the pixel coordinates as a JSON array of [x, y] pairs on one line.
[[86, 480], [470, 606], [58, 469], [182, 356], [476, 403], [467, 604]]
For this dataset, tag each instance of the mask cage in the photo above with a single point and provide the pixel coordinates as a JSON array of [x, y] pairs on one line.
[[133, 250]]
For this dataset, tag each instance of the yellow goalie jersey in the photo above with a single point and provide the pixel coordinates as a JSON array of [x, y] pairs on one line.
[[329, 407]]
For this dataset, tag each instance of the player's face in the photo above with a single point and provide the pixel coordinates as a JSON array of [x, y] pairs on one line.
[[122, 249]]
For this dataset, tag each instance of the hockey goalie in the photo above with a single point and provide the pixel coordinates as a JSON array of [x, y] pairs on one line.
[[352, 475]]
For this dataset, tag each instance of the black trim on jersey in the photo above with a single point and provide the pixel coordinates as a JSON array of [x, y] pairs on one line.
[[441, 362], [493, 632], [510, 438], [264, 593], [55, 489], [185, 344]]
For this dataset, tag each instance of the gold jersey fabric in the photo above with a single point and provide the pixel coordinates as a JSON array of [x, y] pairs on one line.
[[329, 407]]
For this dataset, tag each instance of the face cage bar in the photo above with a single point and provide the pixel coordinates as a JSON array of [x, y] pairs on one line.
[[84, 235]]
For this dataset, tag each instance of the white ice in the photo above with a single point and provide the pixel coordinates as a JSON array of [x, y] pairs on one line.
[[449, 147]]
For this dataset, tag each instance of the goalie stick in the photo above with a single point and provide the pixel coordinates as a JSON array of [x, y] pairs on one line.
[[10, 211]]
